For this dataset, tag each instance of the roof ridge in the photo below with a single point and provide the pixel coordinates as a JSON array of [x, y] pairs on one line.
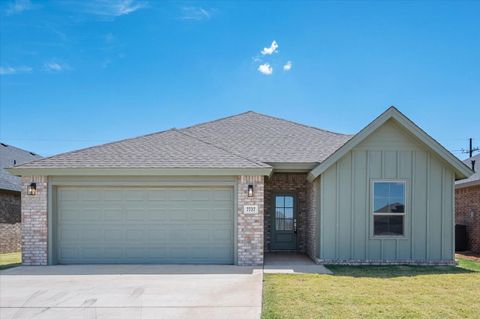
[[216, 120], [94, 146], [299, 124], [269, 116], [221, 148]]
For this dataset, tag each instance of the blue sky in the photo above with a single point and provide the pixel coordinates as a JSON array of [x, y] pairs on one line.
[[75, 74]]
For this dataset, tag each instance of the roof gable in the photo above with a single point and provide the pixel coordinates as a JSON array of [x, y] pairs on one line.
[[461, 170]]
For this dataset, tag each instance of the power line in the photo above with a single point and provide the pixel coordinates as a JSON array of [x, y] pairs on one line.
[[471, 149]]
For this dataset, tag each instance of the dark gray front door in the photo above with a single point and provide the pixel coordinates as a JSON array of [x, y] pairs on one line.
[[284, 232]]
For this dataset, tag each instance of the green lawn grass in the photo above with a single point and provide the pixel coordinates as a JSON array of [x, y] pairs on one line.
[[376, 292], [468, 264], [10, 260]]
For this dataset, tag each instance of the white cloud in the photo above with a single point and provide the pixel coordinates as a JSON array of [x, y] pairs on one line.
[[113, 8], [7, 70], [18, 6], [53, 66], [272, 49], [287, 66], [265, 69], [196, 13]]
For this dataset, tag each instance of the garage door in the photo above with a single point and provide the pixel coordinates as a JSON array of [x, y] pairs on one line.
[[138, 225]]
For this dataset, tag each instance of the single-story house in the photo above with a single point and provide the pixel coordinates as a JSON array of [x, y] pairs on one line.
[[10, 187], [230, 190], [467, 203]]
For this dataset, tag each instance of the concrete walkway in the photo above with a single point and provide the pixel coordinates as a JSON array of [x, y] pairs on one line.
[[131, 291], [292, 263]]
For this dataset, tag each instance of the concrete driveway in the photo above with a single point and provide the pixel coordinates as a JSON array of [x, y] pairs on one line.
[[131, 291]]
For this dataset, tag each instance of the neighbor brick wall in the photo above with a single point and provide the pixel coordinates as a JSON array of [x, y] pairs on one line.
[[250, 226], [10, 222], [311, 240], [34, 222], [286, 183], [467, 212]]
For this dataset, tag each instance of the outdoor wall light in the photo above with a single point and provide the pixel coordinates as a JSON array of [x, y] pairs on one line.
[[32, 189], [250, 190]]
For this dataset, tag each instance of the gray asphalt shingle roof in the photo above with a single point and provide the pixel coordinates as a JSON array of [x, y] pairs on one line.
[[476, 176], [168, 149], [269, 139], [9, 154], [247, 140]]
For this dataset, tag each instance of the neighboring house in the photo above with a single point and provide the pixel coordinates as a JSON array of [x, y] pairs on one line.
[[230, 190], [10, 187], [467, 201]]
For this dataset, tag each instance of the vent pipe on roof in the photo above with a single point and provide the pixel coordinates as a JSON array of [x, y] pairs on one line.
[[473, 165]]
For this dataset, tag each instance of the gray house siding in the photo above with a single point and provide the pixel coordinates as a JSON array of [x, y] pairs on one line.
[[346, 221]]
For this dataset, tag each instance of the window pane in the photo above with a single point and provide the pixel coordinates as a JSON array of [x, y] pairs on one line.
[[288, 212], [288, 224], [381, 189], [396, 189], [381, 205], [280, 213], [288, 201], [279, 201], [280, 224], [389, 197], [387, 225], [397, 207]]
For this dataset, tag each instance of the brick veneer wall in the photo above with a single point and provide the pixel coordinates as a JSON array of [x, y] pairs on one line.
[[311, 238], [250, 226], [287, 183], [467, 212], [34, 222], [10, 222]]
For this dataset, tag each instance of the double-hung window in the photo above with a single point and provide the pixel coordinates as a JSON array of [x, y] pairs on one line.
[[389, 208]]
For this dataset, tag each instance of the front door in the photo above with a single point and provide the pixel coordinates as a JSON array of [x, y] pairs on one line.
[[284, 230]]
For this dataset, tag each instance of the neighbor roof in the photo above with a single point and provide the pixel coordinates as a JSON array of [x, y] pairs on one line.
[[248, 140], [8, 156], [475, 178]]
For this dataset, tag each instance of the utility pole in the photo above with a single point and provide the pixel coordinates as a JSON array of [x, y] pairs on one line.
[[470, 149]]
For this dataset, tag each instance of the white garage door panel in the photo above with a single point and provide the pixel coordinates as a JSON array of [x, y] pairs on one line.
[[137, 225]]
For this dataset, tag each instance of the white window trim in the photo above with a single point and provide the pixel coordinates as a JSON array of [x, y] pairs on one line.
[[373, 214]]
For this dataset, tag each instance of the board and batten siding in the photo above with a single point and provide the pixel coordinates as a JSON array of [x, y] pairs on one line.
[[346, 221]]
